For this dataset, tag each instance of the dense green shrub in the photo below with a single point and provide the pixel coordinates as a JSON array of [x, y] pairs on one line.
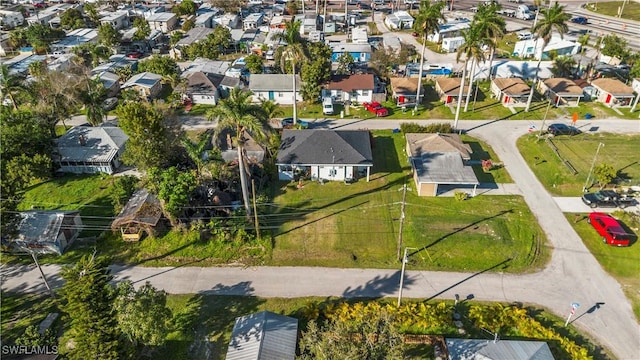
[[444, 128]]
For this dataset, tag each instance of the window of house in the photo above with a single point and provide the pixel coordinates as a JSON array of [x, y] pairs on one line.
[[280, 94]]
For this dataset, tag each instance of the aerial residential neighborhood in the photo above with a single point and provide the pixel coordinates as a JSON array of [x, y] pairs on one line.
[[320, 179]]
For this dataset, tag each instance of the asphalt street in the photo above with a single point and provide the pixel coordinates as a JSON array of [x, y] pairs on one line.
[[573, 275]]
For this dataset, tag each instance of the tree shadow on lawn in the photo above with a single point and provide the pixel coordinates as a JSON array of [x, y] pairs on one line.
[[207, 321], [322, 218], [379, 287], [457, 230]]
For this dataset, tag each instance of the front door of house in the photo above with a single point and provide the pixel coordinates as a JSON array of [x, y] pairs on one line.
[[271, 95]]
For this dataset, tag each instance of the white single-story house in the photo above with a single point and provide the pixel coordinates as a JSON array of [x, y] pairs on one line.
[[263, 336], [357, 87], [162, 21], [276, 87], [613, 92], [510, 91], [449, 29], [324, 155], [359, 52], [399, 20], [45, 232], [533, 48], [119, 19], [74, 39], [561, 91], [88, 149], [439, 159]]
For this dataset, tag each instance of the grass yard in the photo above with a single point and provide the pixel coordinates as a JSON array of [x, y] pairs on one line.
[[611, 8], [620, 151], [87, 193], [621, 263], [20, 311], [357, 225]]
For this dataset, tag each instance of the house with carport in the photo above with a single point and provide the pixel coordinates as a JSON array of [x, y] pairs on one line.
[[561, 91], [404, 90], [276, 87], [613, 92], [357, 87], [510, 91], [448, 89], [325, 155], [438, 160]]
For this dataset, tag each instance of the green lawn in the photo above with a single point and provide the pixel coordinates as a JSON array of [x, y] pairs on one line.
[[611, 8], [357, 225], [620, 151], [621, 263], [20, 311]]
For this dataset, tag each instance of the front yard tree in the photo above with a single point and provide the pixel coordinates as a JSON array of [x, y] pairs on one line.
[[293, 52], [616, 46], [345, 64], [316, 71], [161, 65], [555, 20], [72, 19], [142, 315], [373, 337], [109, 36], [238, 113], [10, 85], [604, 174], [153, 135], [427, 22], [92, 99], [87, 299], [41, 36], [254, 63], [196, 151], [174, 189], [491, 27], [142, 29]]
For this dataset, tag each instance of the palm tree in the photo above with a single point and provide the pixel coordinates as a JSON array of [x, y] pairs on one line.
[[271, 108], [427, 22], [10, 84], [491, 26], [238, 113], [469, 49], [92, 99], [196, 150], [563, 66], [554, 19], [294, 52], [476, 55]]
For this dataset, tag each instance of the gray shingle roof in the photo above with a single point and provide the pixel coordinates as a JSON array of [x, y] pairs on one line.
[[273, 82], [472, 349], [263, 336], [438, 158], [325, 147], [100, 143]]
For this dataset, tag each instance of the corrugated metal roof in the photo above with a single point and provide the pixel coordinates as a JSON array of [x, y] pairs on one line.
[[325, 147], [263, 336], [443, 168], [100, 143], [472, 349]]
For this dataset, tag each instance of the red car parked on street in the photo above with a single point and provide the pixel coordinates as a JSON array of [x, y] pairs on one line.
[[376, 108], [610, 229]]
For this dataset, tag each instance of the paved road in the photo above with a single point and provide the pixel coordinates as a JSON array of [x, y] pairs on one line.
[[573, 275]]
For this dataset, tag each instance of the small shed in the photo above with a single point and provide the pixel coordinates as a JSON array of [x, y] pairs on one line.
[[263, 336], [141, 214], [510, 91]]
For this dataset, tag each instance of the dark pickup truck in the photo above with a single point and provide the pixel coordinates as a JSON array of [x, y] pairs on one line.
[[607, 198]]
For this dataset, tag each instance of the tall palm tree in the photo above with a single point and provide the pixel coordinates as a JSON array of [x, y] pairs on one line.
[[555, 19], [238, 113], [563, 66], [469, 50], [9, 85], [294, 52], [92, 99], [491, 26], [427, 23]]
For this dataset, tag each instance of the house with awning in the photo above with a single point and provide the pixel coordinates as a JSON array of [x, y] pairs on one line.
[[561, 91], [613, 92], [510, 91], [439, 159]]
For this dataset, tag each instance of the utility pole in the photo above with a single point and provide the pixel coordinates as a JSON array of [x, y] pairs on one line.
[[46, 283], [255, 210], [404, 197], [622, 8], [584, 188], [405, 259], [544, 119]]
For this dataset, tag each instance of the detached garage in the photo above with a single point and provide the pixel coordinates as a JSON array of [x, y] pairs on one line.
[[439, 159]]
